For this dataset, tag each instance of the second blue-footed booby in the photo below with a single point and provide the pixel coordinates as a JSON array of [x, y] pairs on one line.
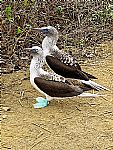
[[62, 63], [51, 84]]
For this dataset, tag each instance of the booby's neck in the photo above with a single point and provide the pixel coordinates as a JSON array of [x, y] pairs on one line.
[[36, 71], [48, 43], [36, 66]]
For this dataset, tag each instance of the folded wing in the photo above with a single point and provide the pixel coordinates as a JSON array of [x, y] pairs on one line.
[[57, 89]]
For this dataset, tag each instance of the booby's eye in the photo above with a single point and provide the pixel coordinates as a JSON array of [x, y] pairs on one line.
[[34, 50], [45, 30], [37, 50]]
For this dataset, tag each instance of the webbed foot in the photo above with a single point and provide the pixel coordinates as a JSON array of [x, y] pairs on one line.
[[40, 102]]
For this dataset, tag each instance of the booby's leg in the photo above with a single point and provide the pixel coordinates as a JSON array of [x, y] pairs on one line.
[[49, 98]]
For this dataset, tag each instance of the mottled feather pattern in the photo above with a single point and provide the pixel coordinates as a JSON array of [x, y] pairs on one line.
[[65, 58], [72, 82], [53, 77], [39, 62], [71, 62]]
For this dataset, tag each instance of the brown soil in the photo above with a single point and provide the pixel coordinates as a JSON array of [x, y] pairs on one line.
[[71, 124]]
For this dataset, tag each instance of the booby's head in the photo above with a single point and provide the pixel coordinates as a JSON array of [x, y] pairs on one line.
[[48, 31], [36, 50], [38, 59]]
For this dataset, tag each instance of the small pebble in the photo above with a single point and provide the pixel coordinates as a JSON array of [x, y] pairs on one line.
[[6, 108], [4, 116]]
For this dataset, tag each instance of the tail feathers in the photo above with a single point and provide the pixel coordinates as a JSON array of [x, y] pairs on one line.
[[89, 95], [94, 85], [89, 75]]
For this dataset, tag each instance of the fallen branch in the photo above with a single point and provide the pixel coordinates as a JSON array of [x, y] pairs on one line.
[[41, 127], [37, 143]]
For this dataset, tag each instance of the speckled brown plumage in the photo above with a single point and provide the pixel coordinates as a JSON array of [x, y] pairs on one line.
[[66, 70]]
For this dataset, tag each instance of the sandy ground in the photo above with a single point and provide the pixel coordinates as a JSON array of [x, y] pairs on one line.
[[71, 124]]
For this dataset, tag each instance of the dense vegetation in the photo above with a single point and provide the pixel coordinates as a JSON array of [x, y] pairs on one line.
[[81, 24]]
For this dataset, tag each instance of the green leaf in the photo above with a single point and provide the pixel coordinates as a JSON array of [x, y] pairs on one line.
[[19, 30], [33, 1], [1, 0], [25, 2], [111, 14], [8, 12], [59, 9]]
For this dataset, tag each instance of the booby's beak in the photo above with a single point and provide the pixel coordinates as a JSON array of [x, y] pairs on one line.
[[28, 48], [36, 29], [32, 50], [44, 30]]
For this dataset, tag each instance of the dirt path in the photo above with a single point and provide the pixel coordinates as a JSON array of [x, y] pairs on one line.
[[77, 124]]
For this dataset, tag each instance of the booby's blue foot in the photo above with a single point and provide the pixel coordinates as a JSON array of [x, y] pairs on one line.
[[40, 102]]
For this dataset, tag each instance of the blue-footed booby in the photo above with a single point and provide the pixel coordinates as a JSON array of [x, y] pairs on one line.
[[62, 63], [53, 85]]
